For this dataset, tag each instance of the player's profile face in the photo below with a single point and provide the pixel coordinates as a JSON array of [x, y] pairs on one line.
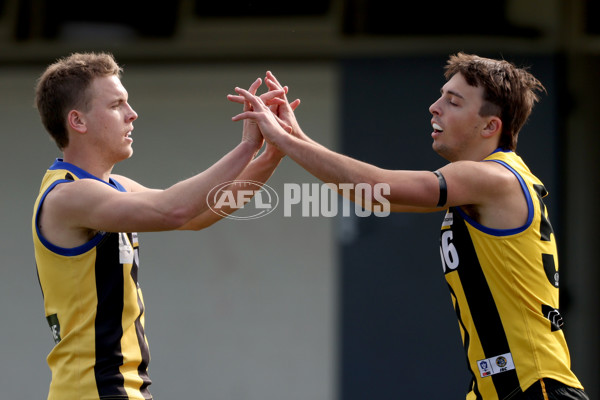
[[109, 120], [455, 118]]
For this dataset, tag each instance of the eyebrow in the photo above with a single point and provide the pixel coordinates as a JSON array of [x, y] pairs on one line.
[[452, 92]]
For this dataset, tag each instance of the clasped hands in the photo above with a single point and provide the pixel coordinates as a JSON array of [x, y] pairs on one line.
[[269, 115]]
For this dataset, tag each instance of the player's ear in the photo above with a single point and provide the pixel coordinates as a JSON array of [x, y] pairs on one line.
[[493, 127], [76, 121]]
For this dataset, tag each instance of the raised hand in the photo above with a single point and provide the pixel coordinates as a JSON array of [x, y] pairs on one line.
[[285, 110], [250, 130], [258, 112], [280, 105]]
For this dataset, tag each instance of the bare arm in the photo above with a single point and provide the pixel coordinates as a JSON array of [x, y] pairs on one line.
[[259, 171], [72, 210], [486, 186]]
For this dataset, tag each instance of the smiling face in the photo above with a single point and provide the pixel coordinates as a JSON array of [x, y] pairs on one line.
[[457, 125], [109, 119]]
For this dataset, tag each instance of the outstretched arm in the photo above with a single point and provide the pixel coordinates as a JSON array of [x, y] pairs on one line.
[[73, 211], [420, 187], [259, 171], [469, 182]]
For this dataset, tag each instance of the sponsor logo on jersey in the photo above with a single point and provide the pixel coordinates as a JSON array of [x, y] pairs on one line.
[[495, 365]]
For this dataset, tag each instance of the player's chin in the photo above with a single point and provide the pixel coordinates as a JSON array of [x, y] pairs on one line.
[[127, 153], [440, 149]]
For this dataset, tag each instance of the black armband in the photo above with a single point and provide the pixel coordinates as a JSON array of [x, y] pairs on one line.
[[443, 189]]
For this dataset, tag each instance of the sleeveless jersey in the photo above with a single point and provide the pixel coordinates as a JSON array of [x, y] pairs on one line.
[[504, 287], [94, 307]]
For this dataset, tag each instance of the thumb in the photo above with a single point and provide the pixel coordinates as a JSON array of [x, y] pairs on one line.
[[288, 128]]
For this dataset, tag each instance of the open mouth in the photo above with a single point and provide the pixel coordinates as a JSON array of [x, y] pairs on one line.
[[437, 128]]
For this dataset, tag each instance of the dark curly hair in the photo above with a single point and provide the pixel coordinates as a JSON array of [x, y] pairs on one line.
[[508, 92]]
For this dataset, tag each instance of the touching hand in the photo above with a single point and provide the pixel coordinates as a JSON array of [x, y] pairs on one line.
[[250, 130], [260, 113], [281, 106], [276, 100]]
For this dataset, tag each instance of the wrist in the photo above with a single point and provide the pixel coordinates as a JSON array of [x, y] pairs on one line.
[[250, 146], [272, 154], [299, 133]]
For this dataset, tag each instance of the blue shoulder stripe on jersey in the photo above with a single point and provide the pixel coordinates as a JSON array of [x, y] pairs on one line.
[[83, 174], [62, 250], [117, 185], [505, 232]]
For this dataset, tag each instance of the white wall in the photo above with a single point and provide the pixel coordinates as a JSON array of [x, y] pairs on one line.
[[242, 310]]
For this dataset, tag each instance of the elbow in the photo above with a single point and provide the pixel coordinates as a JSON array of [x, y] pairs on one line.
[[190, 220], [177, 217], [377, 199], [371, 195]]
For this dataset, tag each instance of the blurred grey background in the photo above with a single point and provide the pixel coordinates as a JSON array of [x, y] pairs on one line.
[[310, 308]]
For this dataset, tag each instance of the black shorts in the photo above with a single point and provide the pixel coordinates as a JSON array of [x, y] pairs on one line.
[[551, 390]]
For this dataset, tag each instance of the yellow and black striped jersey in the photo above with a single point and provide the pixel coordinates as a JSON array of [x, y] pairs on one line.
[[504, 287], [94, 306]]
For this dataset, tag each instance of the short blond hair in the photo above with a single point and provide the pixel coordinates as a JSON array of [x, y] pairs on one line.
[[64, 86]]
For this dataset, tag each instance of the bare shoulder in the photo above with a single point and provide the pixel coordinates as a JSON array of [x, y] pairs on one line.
[[473, 182], [65, 192], [488, 191], [70, 199], [60, 220], [129, 184]]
